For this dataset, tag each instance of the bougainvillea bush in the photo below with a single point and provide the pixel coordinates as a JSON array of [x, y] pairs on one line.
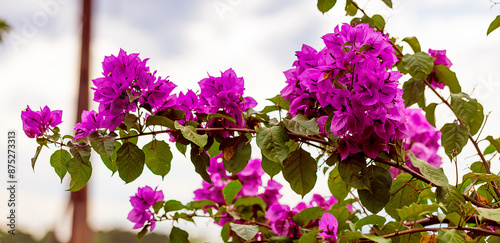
[[354, 109]]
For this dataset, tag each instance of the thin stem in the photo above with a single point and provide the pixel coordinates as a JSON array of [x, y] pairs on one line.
[[418, 230], [476, 146]]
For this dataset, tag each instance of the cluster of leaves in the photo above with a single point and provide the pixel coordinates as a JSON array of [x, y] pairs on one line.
[[414, 200]]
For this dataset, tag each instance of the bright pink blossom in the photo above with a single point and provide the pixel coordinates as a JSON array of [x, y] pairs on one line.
[[36, 123]]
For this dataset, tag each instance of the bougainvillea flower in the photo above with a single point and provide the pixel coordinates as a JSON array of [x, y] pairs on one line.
[[329, 224], [142, 203], [350, 79], [224, 94], [36, 123], [440, 59], [423, 139]]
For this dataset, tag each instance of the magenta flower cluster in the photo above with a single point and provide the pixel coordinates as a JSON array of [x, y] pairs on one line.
[[225, 93], [440, 59], [250, 178], [350, 79], [128, 84], [280, 217], [36, 123], [423, 140], [143, 202]]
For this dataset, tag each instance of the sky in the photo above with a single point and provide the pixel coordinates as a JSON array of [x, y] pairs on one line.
[[187, 40]]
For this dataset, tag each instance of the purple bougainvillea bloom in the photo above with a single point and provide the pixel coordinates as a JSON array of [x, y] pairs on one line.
[[36, 123], [351, 80], [127, 84], [224, 94], [423, 140], [441, 59], [142, 203], [271, 193], [329, 224], [91, 121], [251, 178], [280, 219]]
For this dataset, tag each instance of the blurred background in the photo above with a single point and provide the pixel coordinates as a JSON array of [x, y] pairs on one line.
[[185, 40]]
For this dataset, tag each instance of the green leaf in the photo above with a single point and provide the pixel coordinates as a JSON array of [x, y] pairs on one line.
[[155, 120], [388, 3], [404, 192], [351, 170], [230, 191], [378, 181], [300, 124], [477, 121], [414, 44], [481, 177], [379, 20], [246, 232], [309, 237], [236, 153], [413, 89], [447, 77], [250, 201], [178, 235], [130, 120], [214, 149], [451, 198], [370, 219], [337, 186], [455, 236], [200, 204], [414, 211], [300, 171], [157, 206], [158, 157], [35, 157], [464, 107], [354, 236], [270, 167], [272, 143], [225, 232], [80, 152], [350, 9], [190, 134], [181, 148], [142, 233], [80, 174], [172, 205], [305, 216], [493, 25], [419, 65], [280, 239], [201, 162], [430, 113], [105, 146], [130, 162], [221, 115], [279, 101], [453, 138], [490, 213], [494, 143], [59, 161], [435, 175], [325, 5]]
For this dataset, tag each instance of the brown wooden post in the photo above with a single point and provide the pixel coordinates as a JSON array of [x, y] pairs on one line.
[[80, 231]]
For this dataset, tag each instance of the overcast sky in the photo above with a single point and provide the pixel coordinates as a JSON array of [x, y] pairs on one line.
[[185, 40]]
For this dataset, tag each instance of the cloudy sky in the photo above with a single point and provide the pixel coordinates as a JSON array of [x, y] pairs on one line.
[[185, 40]]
